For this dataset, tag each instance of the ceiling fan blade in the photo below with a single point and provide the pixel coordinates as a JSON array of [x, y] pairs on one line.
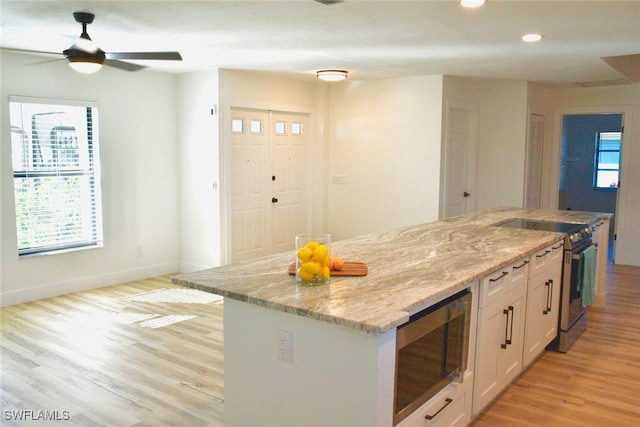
[[147, 56], [45, 62], [127, 66], [37, 52]]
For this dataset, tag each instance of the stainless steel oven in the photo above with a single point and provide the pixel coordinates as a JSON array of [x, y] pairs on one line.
[[573, 316], [431, 351]]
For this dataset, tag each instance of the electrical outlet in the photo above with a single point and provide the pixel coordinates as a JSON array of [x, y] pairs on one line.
[[284, 346]]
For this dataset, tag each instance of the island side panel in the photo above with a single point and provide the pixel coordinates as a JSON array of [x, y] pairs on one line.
[[338, 376]]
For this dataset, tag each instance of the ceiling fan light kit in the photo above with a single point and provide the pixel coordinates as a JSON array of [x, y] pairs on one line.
[[85, 65], [332, 75]]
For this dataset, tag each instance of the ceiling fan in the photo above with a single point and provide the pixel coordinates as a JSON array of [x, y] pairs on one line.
[[86, 57]]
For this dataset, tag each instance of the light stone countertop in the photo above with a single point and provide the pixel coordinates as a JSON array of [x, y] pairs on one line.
[[409, 268]]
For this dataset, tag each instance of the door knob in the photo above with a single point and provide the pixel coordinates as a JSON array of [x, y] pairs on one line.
[[274, 200], [466, 194]]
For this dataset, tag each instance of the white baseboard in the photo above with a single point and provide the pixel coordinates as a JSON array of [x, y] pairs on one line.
[[85, 283]]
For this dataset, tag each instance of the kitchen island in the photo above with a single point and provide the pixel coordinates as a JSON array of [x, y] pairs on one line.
[[338, 362]]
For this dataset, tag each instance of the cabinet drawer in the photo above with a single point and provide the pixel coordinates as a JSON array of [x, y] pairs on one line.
[[448, 408], [519, 273], [502, 281], [545, 258]]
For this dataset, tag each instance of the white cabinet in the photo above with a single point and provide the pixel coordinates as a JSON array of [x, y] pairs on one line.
[[543, 301], [601, 238], [501, 317]]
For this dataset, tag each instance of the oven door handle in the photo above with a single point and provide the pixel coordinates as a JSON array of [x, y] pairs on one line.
[[577, 255]]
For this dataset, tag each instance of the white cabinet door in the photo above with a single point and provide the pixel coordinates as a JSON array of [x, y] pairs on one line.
[[543, 302], [511, 362], [499, 346]]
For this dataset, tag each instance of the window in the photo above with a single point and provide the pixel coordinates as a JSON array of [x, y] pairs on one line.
[[607, 162], [56, 175]]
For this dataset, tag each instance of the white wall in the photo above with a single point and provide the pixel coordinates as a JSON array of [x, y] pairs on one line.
[[199, 180], [137, 125], [384, 140], [613, 98]]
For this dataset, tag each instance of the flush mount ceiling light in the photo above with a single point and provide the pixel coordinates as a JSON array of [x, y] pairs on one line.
[[472, 3], [332, 75], [532, 37]]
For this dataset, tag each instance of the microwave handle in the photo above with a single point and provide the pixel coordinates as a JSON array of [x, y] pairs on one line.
[[464, 306]]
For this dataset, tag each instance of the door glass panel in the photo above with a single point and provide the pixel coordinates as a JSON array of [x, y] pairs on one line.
[[281, 128], [237, 125], [256, 126]]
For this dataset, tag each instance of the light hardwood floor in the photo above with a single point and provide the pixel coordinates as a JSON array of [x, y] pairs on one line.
[[93, 355]]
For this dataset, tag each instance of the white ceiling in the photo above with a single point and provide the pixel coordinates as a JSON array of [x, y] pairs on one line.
[[371, 39]]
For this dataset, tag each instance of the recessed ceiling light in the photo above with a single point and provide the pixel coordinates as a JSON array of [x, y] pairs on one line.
[[332, 75], [472, 3], [532, 37]]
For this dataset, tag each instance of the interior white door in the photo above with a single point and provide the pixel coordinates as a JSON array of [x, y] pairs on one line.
[[460, 165], [266, 181]]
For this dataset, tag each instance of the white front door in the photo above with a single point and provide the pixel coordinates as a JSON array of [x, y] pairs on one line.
[[460, 161], [267, 181]]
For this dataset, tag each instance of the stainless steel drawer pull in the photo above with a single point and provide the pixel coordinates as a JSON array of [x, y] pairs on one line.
[[448, 401]]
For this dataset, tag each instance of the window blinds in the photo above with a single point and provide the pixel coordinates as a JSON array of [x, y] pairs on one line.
[[56, 175]]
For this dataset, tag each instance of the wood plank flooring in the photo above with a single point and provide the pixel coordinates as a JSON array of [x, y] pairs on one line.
[[99, 358]]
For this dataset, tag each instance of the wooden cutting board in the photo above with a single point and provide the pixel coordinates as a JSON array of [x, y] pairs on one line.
[[349, 269]]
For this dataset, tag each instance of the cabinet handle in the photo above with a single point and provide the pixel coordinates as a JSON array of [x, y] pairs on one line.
[[274, 200], [518, 267], [511, 333], [547, 309], [447, 401], [506, 330], [558, 247], [542, 255], [504, 273], [550, 295]]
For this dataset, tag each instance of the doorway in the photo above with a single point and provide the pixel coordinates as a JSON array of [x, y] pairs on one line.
[[267, 181], [590, 164]]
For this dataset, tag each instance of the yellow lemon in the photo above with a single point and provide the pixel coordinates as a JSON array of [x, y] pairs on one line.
[[325, 273], [320, 253], [304, 274], [304, 254], [312, 245], [311, 267]]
